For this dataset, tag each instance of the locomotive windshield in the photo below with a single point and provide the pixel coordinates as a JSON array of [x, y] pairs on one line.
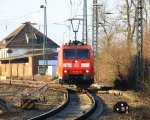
[[69, 54], [76, 53], [82, 53]]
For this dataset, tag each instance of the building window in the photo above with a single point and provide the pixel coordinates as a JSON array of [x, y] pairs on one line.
[[36, 39], [41, 70], [39, 39], [29, 40]]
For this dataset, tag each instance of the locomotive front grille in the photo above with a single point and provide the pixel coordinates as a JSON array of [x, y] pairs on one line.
[[78, 79]]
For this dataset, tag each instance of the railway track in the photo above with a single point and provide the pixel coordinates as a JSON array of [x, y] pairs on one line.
[[50, 98], [74, 105], [78, 105]]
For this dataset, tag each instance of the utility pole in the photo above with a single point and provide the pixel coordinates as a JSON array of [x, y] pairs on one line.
[[95, 38], [85, 34], [95, 27], [9, 51], [139, 44], [45, 37], [33, 42]]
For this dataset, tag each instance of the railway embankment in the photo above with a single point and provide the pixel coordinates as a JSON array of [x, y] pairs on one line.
[[138, 102], [11, 96]]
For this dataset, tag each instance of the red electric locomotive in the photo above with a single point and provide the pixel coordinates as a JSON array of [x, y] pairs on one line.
[[75, 64]]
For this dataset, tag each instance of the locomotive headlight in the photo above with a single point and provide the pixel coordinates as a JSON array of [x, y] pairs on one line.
[[87, 71], [65, 71], [76, 61], [85, 65], [67, 65]]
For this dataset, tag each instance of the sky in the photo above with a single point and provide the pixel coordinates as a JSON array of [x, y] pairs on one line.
[[15, 12]]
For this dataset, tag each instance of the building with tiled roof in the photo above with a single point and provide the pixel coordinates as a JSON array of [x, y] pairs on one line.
[[25, 38], [21, 53]]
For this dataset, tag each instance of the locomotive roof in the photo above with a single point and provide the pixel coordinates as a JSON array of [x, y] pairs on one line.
[[74, 46]]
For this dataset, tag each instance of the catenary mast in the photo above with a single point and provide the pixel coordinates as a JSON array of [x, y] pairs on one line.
[[139, 43]]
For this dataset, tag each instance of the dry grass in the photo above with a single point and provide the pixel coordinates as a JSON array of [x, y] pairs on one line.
[[43, 77], [139, 106]]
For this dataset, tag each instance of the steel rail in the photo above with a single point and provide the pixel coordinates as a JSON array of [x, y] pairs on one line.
[[61, 107], [91, 111], [54, 111]]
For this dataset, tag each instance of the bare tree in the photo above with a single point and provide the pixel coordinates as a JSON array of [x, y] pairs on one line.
[[117, 62], [107, 27]]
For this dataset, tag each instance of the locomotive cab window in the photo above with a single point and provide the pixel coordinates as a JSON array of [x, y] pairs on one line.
[[76, 53], [83, 53], [69, 54]]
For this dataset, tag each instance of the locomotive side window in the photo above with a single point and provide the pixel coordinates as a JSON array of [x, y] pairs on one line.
[[69, 54], [83, 53]]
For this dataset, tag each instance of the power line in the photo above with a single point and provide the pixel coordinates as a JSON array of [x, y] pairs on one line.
[[22, 16]]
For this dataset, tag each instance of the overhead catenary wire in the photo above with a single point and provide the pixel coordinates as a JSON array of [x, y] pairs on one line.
[[75, 7], [13, 21]]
